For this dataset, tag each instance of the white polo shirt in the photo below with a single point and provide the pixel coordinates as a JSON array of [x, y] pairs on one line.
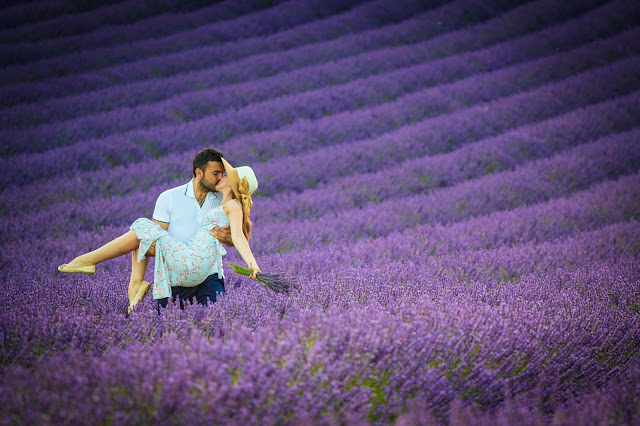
[[179, 208]]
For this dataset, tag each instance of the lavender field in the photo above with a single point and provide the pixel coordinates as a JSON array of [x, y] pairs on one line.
[[455, 184]]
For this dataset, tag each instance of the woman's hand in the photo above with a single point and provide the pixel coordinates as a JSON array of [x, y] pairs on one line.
[[255, 270]]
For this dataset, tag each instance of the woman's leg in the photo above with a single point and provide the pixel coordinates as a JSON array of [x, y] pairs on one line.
[[138, 270], [122, 245]]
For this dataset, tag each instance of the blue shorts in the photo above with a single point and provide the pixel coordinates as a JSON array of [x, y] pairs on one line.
[[204, 292]]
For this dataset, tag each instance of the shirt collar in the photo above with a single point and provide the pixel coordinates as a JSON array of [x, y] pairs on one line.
[[189, 192]]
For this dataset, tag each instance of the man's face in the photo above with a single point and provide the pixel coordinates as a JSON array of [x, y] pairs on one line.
[[213, 172]]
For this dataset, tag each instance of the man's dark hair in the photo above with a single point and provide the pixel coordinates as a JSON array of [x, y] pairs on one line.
[[202, 158]]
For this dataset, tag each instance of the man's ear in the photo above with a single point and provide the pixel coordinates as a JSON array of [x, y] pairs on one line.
[[199, 173]]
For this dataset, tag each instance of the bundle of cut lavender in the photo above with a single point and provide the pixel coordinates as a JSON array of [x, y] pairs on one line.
[[273, 282]]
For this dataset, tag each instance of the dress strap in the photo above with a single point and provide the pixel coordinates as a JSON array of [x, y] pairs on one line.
[[233, 199]]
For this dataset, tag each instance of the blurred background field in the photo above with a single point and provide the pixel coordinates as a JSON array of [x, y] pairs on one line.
[[454, 183]]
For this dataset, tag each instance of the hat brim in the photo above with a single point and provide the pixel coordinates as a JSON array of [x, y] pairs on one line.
[[232, 175]]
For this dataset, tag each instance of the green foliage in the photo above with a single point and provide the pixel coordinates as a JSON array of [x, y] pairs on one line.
[[236, 375]]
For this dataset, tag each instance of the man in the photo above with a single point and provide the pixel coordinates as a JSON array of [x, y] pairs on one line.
[[181, 211]]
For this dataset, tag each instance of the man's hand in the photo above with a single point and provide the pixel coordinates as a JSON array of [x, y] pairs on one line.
[[223, 234]]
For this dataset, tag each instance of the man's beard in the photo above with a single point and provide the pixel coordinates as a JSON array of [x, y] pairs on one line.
[[206, 185]]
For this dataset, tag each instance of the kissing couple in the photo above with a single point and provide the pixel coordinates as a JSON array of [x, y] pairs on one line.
[[190, 225]]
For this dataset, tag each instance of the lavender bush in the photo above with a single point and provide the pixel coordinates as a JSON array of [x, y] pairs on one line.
[[158, 22], [582, 166], [529, 141], [287, 14], [22, 21], [194, 106], [415, 29], [119, 149], [195, 59], [452, 188]]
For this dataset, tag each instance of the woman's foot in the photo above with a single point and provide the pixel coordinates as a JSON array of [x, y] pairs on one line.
[[78, 265], [137, 292], [133, 290]]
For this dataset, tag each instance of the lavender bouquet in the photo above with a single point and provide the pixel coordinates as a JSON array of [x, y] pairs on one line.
[[273, 282]]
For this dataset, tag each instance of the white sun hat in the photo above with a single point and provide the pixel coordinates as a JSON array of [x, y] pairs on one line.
[[243, 182]]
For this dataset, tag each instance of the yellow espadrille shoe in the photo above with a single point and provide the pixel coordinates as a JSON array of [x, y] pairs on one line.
[[89, 270], [140, 294]]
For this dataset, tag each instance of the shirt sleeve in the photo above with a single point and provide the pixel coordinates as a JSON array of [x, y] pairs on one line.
[[162, 212]]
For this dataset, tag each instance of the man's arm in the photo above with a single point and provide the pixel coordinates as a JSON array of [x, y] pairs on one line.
[[163, 213], [163, 225]]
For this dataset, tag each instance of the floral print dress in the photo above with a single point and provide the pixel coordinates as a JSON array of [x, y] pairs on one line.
[[177, 263]]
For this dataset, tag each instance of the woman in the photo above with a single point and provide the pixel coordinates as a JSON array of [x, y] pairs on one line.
[[179, 264]]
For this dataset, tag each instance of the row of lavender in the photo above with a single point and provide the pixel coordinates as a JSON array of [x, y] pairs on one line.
[[399, 219], [58, 22], [265, 22], [560, 167], [72, 32], [382, 239], [303, 135], [354, 194], [491, 274], [192, 59], [428, 137], [602, 300], [416, 29], [406, 336], [603, 204], [410, 59]]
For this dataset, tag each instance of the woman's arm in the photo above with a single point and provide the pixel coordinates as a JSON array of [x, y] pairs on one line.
[[234, 213]]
